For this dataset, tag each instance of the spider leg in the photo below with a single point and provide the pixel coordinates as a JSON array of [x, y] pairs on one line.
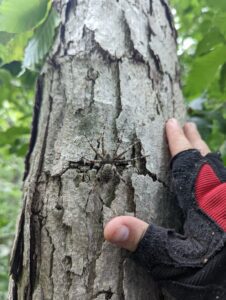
[[117, 147], [122, 153], [92, 161], [102, 143], [119, 175], [124, 161], [93, 148]]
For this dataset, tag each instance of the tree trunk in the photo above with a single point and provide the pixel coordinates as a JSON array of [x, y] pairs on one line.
[[110, 80]]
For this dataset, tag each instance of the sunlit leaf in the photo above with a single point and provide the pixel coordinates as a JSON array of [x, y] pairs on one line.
[[5, 77], [41, 42], [21, 15], [211, 38], [197, 104], [14, 49], [217, 4], [13, 133], [220, 22], [5, 37], [204, 70]]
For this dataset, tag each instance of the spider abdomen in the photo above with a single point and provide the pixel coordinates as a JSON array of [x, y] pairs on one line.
[[107, 173]]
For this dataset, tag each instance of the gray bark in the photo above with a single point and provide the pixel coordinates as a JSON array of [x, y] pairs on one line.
[[112, 72]]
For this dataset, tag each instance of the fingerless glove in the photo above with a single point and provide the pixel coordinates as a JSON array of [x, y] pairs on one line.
[[192, 265]]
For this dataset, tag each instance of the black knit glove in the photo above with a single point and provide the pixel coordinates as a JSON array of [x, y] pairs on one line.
[[191, 266]]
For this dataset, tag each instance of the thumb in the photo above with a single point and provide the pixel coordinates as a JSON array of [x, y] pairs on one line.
[[125, 231]]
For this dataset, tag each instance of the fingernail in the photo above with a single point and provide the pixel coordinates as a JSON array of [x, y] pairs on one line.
[[191, 124], [121, 234], [173, 121]]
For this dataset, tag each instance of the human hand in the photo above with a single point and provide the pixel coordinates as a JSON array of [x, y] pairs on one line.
[[126, 231], [189, 266]]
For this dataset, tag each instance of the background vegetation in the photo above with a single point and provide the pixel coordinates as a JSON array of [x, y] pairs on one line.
[[27, 30]]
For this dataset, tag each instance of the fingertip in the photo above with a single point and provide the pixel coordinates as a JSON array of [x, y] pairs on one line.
[[190, 126], [192, 134], [115, 231], [172, 122], [176, 138], [125, 231]]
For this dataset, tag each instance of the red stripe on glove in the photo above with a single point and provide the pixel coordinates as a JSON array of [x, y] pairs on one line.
[[210, 194]]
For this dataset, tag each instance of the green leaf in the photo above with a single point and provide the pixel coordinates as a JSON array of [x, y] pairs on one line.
[[5, 37], [17, 16], [212, 38], [217, 4], [12, 135], [222, 80], [14, 67], [41, 42], [5, 77], [14, 50], [22, 150], [204, 70], [220, 22]]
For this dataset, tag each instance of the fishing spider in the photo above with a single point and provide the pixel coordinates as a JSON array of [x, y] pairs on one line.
[[107, 164]]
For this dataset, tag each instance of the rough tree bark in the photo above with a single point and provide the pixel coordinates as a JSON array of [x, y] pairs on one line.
[[112, 70]]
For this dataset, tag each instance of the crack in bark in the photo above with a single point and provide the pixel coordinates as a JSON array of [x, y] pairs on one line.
[[149, 76], [118, 101], [108, 294], [35, 244], [34, 126], [159, 105], [42, 155], [14, 291], [156, 60], [172, 95], [135, 55], [155, 57], [106, 55], [121, 277], [156, 178], [51, 261], [16, 261], [92, 75], [118, 91], [150, 7], [142, 162], [130, 197], [34, 229], [169, 18], [69, 8]]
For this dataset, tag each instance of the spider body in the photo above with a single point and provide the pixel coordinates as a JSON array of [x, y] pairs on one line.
[[106, 173], [107, 165]]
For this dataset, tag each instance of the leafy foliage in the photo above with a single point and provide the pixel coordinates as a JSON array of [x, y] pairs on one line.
[[29, 24], [17, 16], [41, 42], [10, 174], [16, 102], [202, 47]]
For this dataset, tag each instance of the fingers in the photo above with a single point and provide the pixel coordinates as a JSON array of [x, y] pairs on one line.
[[183, 139], [192, 134], [176, 138], [125, 231]]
